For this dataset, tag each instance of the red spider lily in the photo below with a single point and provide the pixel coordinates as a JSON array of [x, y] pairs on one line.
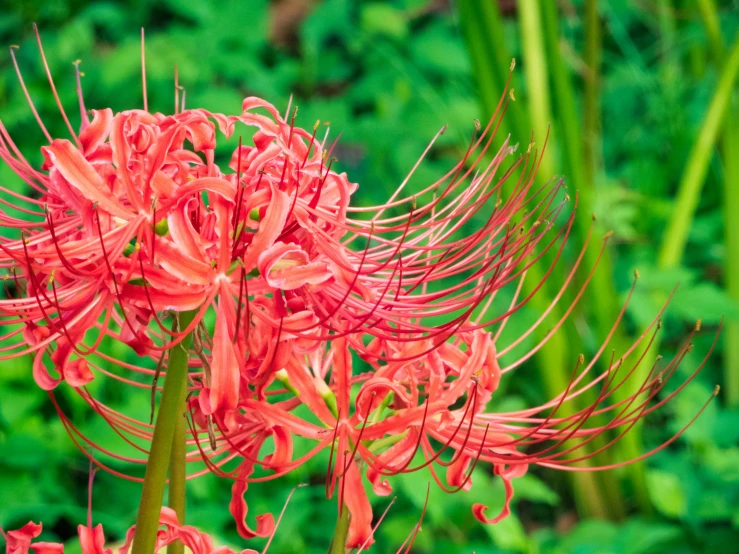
[[92, 539], [138, 220]]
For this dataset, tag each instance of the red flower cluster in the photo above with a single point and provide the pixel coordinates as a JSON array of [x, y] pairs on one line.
[[133, 221], [92, 539]]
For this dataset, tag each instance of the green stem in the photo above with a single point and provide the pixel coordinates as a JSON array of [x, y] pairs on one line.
[[338, 543], [731, 259], [676, 233], [587, 487], [581, 146], [729, 144], [171, 408], [178, 473]]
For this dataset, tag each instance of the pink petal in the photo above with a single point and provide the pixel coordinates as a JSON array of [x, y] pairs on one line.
[[96, 132], [77, 373], [17, 542], [42, 377], [183, 233], [82, 176], [269, 228], [48, 548], [239, 508], [224, 387], [184, 267], [92, 541], [287, 267], [360, 523], [517, 470]]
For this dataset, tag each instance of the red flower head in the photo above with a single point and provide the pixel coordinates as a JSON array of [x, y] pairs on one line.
[[92, 539], [133, 219]]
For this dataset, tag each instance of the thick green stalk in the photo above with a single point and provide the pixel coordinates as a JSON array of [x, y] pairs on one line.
[[731, 251], [178, 472], [338, 543], [709, 16], [171, 408], [482, 27], [537, 85], [483, 32], [581, 157], [691, 183], [729, 146]]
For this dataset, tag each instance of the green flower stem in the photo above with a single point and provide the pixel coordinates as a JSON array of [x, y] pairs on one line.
[[178, 472], [171, 408], [338, 543]]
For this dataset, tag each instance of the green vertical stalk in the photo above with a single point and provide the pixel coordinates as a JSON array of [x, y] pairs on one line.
[[537, 85], [709, 16], [630, 446], [590, 491], [178, 472], [668, 32], [482, 28], [338, 543], [691, 183], [729, 147], [581, 156], [171, 408], [731, 252], [591, 96]]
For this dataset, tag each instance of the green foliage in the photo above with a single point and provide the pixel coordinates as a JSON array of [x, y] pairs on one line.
[[388, 76]]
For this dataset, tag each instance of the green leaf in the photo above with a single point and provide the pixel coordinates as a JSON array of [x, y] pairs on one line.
[[383, 19], [667, 493]]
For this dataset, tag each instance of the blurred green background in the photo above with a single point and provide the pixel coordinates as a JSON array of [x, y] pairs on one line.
[[640, 95]]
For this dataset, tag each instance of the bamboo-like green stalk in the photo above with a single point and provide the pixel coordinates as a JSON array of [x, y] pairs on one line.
[[582, 160], [691, 183], [709, 16], [483, 31], [171, 408], [482, 27], [537, 82], [730, 147], [731, 251]]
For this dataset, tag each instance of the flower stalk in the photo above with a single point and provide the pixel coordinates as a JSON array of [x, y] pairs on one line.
[[338, 543], [163, 446], [178, 472]]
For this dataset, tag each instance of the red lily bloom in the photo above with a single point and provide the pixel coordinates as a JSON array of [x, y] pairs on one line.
[[136, 218], [92, 539]]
